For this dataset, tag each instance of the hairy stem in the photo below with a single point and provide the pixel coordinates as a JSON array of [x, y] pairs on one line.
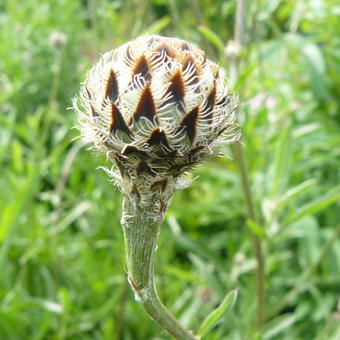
[[141, 228]]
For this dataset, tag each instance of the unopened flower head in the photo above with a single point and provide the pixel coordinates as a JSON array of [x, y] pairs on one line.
[[156, 107]]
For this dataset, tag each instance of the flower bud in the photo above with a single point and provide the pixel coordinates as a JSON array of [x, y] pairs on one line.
[[156, 107]]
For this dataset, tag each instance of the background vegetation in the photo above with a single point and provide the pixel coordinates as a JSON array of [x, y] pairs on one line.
[[61, 247]]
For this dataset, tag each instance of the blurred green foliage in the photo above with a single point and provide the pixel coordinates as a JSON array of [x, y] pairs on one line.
[[61, 248]]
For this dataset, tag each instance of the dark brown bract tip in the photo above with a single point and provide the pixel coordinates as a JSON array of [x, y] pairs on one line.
[[118, 122], [111, 90], [142, 68], [158, 137], [145, 107], [189, 123]]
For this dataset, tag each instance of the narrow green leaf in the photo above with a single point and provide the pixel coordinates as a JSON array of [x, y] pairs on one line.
[[294, 192], [212, 319], [212, 37], [315, 206]]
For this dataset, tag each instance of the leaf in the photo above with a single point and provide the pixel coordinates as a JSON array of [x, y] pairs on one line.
[[315, 206], [294, 192], [212, 319], [212, 37]]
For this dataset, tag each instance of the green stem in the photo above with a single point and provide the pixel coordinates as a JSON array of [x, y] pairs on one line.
[[257, 245], [239, 158], [141, 228]]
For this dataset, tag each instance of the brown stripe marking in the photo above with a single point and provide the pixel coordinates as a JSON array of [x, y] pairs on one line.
[[224, 100], [166, 50], [117, 121], [177, 87], [204, 59], [196, 150], [209, 105], [111, 90], [119, 163], [145, 107], [152, 40], [168, 157], [178, 169], [216, 72], [142, 167], [177, 91], [223, 129], [87, 93], [94, 112], [130, 149], [162, 184], [142, 68], [185, 46], [134, 191], [158, 137], [189, 124], [188, 62]]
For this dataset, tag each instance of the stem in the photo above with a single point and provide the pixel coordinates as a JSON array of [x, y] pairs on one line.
[[257, 245], [141, 229], [239, 29]]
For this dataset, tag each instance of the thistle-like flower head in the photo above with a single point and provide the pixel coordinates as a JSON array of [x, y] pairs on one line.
[[156, 107]]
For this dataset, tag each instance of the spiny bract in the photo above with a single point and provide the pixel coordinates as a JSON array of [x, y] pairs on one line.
[[157, 107]]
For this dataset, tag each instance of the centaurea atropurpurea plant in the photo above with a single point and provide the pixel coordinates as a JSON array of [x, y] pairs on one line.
[[156, 107]]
